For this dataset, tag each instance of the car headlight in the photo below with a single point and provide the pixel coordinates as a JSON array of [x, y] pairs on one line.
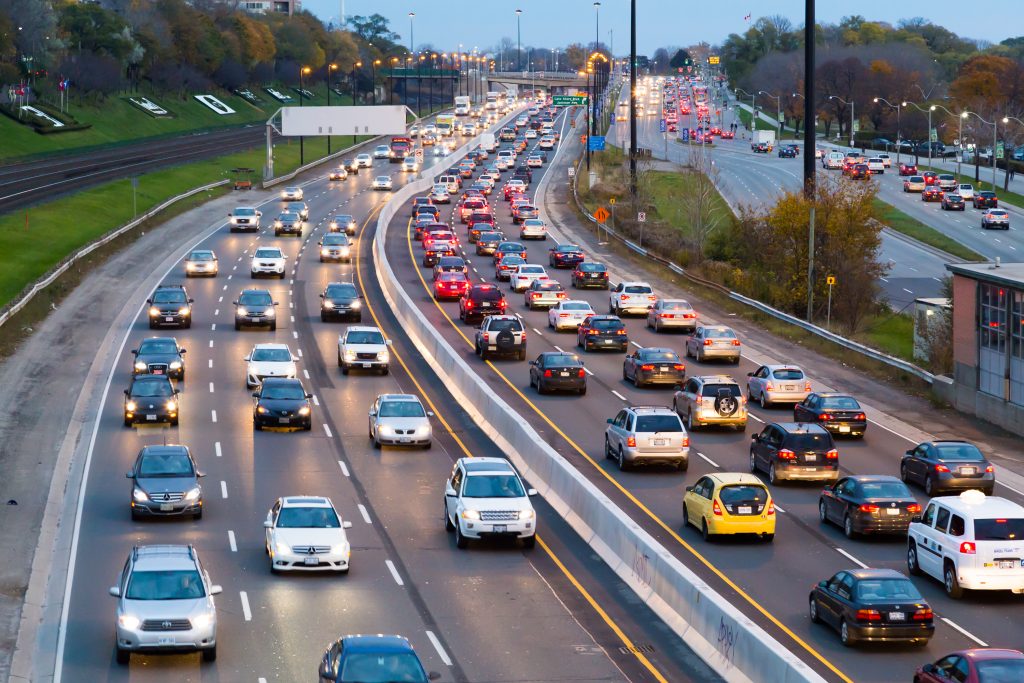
[[334, 225], [260, 409], [325, 252], [271, 313], [350, 354], [130, 406], [340, 549], [470, 514], [193, 494], [527, 514], [328, 303], [139, 495], [190, 266], [139, 365], [384, 356], [171, 405], [241, 311], [202, 621], [154, 311], [175, 365], [183, 310], [129, 622], [385, 429], [278, 224], [282, 548], [357, 304], [304, 410]]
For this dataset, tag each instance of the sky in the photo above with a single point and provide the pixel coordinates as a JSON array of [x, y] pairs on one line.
[[556, 23]]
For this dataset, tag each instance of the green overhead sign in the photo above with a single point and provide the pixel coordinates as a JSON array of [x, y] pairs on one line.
[[569, 100]]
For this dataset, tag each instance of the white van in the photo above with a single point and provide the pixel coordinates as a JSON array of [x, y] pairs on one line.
[[971, 541], [833, 160], [451, 182]]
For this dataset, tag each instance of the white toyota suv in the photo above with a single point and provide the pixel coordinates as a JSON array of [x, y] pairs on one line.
[[485, 498], [971, 541], [267, 261], [305, 533], [630, 297], [363, 346], [269, 360]]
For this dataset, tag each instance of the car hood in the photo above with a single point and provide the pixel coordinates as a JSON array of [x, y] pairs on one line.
[[294, 537], [269, 259], [157, 357], [365, 348], [150, 401], [167, 609], [255, 308], [271, 368], [292, 404], [157, 485], [483, 504], [405, 422]]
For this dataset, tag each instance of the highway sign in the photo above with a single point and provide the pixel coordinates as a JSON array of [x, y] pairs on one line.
[[830, 280], [601, 214], [1000, 150], [569, 100], [935, 135], [661, 126], [612, 201], [641, 217], [572, 172], [686, 135], [595, 143], [714, 59], [419, 155]]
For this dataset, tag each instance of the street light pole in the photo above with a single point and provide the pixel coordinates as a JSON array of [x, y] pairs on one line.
[[753, 110], [519, 42], [899, 133], [373, 81], [412, 42], [330, 68], [928, 111], [852, 119], [354, 93], [995, 140], [302, 138], [778, 110], [597, 25], [632, 99]]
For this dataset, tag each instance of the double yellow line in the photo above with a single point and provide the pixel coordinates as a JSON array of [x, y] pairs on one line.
[[630, 647]]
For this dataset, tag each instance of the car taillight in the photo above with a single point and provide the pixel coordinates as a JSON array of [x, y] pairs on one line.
[[689, 315], [631, 441], [832, 454], [716, 508], [868, 615], [534, 295], [469, 303], [923, 614], [679, 366], [622, 332], [666, 315], [735, 342], [647, 366], [561, 295], [868, 507], [913, 508], [769, 386], [563, 315], [487, 336], [990, 469], [708, 342], [941, 468], [786, 454], [771, 508], [547, 373], [580, 373], [967, 548], [623, 297], [825, 417]]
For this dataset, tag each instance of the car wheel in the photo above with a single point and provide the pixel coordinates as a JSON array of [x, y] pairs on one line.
[[273, 326], [929, 486], [198, 515], [461, 542], [385, 370], [904, 473], [123, 656], [210, 654], [913, 568], [753, 463], [376, 444], [848, 529], [448, 526], [522, 354], [704, 531], [767, 538], [953, 588], [844, 634], [529, 542], [622, 460], [772, 477], [344, 368], [540, 387], [765, 401], [822, 512], [237, 326]]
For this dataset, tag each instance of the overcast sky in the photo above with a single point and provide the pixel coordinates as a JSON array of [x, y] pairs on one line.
[[551, 23]]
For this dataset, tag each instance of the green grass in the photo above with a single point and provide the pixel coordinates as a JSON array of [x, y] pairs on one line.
[[901, 222], [667, 187], [892, 334]]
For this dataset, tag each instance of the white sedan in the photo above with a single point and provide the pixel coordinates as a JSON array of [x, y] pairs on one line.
[[267, 261], [291, 194], [381, 152], [269, 360], [364, 161], [439, 195], [305, 533], [534, 161], [410, 165], [383, 182], [568, 314], [525, 274], [533, 229]]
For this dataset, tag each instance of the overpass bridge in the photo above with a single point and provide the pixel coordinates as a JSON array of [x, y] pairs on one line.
[[549, 80]]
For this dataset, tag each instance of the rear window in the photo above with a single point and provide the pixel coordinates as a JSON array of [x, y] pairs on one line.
[[884, 489], [592, 267], [659, 423], [506, 324], [839, 403], [887, 590], [808, 442], [713, 390], [607, 325], [489, 294], [570, 359], [660, 355], [720, 333], [637, 289], [788, 373], [958, 451], [998, 529], [739, 494]]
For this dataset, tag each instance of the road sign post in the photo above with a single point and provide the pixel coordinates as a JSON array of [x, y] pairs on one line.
[[601, 215], [830, 281], [135, 187]]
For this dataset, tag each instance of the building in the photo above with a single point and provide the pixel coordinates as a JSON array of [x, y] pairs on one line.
[[988, 342], [288, 7]]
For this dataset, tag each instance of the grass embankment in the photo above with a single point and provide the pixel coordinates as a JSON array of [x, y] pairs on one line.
[[1005, 196], [910, 226]]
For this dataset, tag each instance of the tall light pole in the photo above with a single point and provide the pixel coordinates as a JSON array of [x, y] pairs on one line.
[[995, 139], [959, 136], [632, 99], [778, 110], [928, 111], [753, 109], [519, 42], [1006, 171], [303, 71], [597, 25], [330, 68], [394, 65], [356, 65], [412, 43], [899, 134], [852, 116], [810, 171]]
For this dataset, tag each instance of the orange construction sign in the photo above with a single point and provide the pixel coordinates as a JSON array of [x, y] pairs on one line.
[[601, 214]]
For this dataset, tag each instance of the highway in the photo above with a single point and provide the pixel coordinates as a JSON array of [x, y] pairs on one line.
[[491, 613], [770, 583]]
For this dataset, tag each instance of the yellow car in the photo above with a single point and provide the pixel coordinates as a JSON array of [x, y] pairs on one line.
[[730, 503]]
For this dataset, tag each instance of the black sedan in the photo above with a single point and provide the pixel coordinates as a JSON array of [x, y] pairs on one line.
[[945, 466], [487, 241], [150, 399], [953, 202], [590, 274], [556, 371], [565, 256], [281, 403], [872, 606], [420, 203], [868, 504], [344, 222], [653, 365], [985, 199], [602, 332], [341, 301], [159, 356], [838, 413]]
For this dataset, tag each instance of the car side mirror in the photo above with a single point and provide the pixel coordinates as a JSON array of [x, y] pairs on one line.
[[295, 359], [246, 358], [216, 590], [823, 584], [267, 524], [135, 352], [234, 303], [928, 668], [387, 342], [750, 374], [449, 491], [191, 301], [276, 304], [609, 420], [200, 475], [533, 362], [259, 213], [910, 452], [183, 351], [531, 492], [373, 413], [346, 525], [430, 413], [149, 301], [125, 392], [689, 488], [129, 475], [755, 437], [915, 518], [115, 591], [309, 395]]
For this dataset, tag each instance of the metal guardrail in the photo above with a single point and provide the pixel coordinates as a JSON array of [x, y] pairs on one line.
[[48, 279], [313, 164], [867, 351]]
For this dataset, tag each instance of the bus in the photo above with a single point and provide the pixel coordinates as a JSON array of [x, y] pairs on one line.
[[401, 147]]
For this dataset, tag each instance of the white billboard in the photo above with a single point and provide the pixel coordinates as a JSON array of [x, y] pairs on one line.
[[379, 120]]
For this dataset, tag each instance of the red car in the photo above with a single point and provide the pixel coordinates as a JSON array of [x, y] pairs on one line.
[[450, 286], [974, 666], [715, 131], [908, 169], [932, 193], [728, 135], [930, 177]]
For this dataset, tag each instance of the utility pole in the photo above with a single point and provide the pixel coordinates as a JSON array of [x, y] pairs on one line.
[[809, 144], [632, 97]]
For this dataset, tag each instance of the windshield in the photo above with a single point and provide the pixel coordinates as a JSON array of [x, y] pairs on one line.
[[364, 337], [201, 256], [288, 217], [255, 299], [840, 403], [268, 253], [743, 493], [493, 486], [592, 267], [887, 590], [809, 442], [884, 489], [402, 667], [343, 218], [341, 292], [152, 389], [165, 465], [245, 212], [998, 529], [283, 392], [999, 670], [308, 518], [563, 359], [401, 409], [272, 355], [658, 423], [169, 296], [788, 373], [606, 324], [335, 239], [185, 584], [958, 451], [158, 346]]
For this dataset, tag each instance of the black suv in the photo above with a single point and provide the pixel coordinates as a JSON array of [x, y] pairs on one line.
[[986, 199], [523, 173], [150, 399], [255, 308], [170, 306], [590, 274], [480, 301], [165, 483], [794, 450], [281, 402], [159, 356], [341, 300]]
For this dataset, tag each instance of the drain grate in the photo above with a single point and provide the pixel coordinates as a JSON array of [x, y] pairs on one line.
[[637, 650]]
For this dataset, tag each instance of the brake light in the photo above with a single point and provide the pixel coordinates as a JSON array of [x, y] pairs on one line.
[[867, 507], [679, 366], [717, 509], [769, 387], [623, 297], [832, 454], [859, 416], [580, 373], [868, 615], [620, 332], [787, 454], [771, 507], [563, 315], [913, 508], [689, 315], [469, 303], [631, 442], [941, 468], [487, 336], [686, 441], [547, 373], [807, 386], [647, 366], [665, 315], [990, 469], [735, 342], [561, 295], [708, 342], [825, 417], [534, 295], [967, 548], [924, 614]]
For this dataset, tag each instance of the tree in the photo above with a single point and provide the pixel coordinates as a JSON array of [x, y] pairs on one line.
[[681, 59], [701, 203], [89, 27], [372, 29]]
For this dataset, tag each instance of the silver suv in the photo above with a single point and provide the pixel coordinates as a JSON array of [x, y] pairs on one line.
[[711, 400], [644, 435], [165, 603]]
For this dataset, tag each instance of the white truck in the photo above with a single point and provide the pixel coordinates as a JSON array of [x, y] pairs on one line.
[[462, 105], [488, 142], [763, 136]]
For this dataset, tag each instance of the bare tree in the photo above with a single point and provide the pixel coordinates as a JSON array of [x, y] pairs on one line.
[[700, 202]]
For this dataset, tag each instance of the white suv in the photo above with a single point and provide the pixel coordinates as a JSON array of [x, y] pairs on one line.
[[363, 346], [269, 360], [971, 541], [267, 261], [485, 498], [305, 533], [630, 297], [165, 603]]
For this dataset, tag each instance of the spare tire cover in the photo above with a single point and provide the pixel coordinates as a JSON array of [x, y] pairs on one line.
[[506, 340]]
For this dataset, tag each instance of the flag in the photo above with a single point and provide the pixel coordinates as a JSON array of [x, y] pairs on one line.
[[746, 18]]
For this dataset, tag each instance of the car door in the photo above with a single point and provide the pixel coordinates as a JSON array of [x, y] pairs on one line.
[[930, 551], [452, 491], [832, 501], [694, 340], [919, 464], [827, 599], [770, 446], [613, 297], [537, 369], [329, 664], [697, 501], [374, 409], [759, 447], [756, 381], [629, 364], [614, 433], [801, 410]]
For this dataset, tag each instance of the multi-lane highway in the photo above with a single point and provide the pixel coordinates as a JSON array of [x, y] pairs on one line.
[[491, 613], [769, 582]]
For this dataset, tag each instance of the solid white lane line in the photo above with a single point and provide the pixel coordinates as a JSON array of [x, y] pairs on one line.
[[587, 370], [1017, 491], [328, 430], [979, 641], [440, 650], [755, 417], [636, 345], [231, 541], [211, 387], [305, 373], [394, 572], [216, 448], [223, 489], [316, 401], [849, 556], [709, 460], [364, 513], [344, 468], [536, 331], [209, 363], [213, 415], [619, 395], [246, 612]]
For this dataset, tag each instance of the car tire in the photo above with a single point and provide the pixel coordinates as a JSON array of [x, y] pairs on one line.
[[344, 368], [929, 486], [135, 515], [844, 635], [621, 460], [376, 444], [904, 473], [950, 582], [765, 401], [848, 529], [913, 567], [461, 542], [753, 463], [529, 542], [199, 515], [385, 370], [822, 512], [522, 354], [773, 478], [767, 538], [683, 465], [174, 422], [689, 421], [705, 534], [210, 654], [122, 656], [273, 326]]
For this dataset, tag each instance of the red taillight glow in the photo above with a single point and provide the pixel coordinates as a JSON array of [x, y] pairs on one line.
[[686, 442], [631, 441], [990, 469], [967, 548], [769, 387], [708, 342], [679, 366], [580, 373], [860, 416], [923, 614], [786, 454], [646, 366], [771, 507], [825, 417], [941, 468], [832, 454], [913, 508], [547, 373], [868, 507], [735, 342], [868, 615], [716, 508], [623, 297], [807, 386]]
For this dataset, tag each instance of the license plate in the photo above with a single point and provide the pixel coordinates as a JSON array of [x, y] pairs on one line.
[[968, 470], [311, 561], [563, 374], [283, 420], [165, 640], [607, 341], [500, 528], [1006, 564], [151, 418], [158, 371], [659, 442], [664, 368], [811, 469], [897, 616], [254, 319], [789, 387], [366, 365], [810, 457], [892, 511], [485, 304], [168, 319], [166, 507], [744, 509], [844, 429], [592, 275]]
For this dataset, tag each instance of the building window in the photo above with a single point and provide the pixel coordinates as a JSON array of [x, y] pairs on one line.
[[992, 310], [1017, 347]]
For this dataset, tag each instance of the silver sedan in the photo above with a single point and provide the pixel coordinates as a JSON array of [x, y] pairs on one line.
[[777, 384]]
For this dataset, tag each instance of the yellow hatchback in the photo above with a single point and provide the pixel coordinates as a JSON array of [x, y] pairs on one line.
[[730, 503]]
